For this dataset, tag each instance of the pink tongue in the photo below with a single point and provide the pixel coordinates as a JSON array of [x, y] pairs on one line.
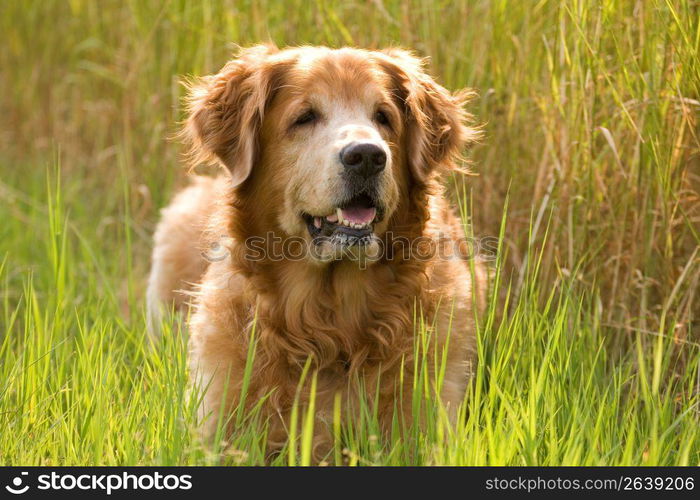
[[359, 215]]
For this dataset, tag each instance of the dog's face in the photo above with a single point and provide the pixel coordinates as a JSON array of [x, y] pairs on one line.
[[328, 141], [335, 128]]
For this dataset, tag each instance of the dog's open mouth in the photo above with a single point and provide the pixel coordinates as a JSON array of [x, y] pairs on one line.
[[351, 224]]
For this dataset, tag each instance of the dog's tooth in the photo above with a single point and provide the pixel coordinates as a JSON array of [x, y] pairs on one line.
[[318, 222], [332, 218], [339, 214]]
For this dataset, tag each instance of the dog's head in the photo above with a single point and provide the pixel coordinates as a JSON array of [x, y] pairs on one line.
[[325, 144]]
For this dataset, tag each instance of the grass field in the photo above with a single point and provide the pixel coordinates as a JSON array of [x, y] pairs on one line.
[[589, 171]]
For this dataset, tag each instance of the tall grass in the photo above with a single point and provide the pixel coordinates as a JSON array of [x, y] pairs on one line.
[[590, 351]]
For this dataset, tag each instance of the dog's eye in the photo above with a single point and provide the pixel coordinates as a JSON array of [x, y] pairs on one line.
[[306, 117], [381, 118]]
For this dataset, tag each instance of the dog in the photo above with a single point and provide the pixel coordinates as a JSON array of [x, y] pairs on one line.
[[331, 157]]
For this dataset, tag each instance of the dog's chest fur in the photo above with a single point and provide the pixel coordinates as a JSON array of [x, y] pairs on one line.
[[339, 315]]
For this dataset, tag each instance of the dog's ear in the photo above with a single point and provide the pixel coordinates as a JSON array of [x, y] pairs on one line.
[[436, 123], [226, 110]]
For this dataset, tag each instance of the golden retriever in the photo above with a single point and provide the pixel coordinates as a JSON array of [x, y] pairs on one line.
[[333, 156]]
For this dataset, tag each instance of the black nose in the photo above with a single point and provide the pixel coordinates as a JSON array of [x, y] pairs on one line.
[[363, 159]]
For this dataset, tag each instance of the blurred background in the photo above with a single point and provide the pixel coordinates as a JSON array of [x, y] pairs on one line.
[[589, 108]]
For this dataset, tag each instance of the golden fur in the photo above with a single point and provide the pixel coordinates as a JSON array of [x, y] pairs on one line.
[[355, 324]]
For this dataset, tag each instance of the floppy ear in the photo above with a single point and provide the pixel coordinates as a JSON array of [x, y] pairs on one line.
[[436, 121], [226, 110]]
